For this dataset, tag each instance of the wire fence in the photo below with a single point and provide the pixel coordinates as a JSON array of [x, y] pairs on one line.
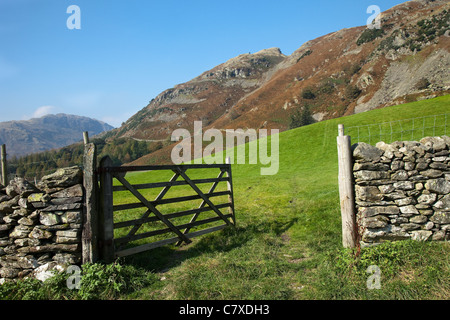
[[412, 129]]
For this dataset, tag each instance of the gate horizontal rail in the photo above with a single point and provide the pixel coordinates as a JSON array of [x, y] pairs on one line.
[[156, 222]]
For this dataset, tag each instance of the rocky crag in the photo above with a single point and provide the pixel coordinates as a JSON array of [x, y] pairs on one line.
[[345, 72]]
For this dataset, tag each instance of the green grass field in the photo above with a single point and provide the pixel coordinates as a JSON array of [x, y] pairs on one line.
[[287, 242], [288, 233]]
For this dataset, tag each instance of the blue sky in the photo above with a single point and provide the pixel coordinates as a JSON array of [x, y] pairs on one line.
[[129, 51]]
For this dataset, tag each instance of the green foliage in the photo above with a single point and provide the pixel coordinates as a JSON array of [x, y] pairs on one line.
[[426, 30], [352, 92], [369, 35], [39, 164], [327, 87], [287, 243], [307, 53], [301, 118], [408, 270], [308, 94], [27, 289], [98, 281]]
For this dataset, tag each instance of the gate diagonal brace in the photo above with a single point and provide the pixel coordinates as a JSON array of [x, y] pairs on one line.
[[152, 208], [202, 195], [147, 213], [194, 218]]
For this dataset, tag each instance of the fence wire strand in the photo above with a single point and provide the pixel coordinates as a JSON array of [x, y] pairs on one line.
[[399, 130]]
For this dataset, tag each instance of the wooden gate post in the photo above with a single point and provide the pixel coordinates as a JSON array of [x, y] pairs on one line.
[[85, 137], [346, 191], [90, 221], [106, 221], [230, 189], [4, 169]]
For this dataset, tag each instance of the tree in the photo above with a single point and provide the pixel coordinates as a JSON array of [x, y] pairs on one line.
[[301, 118]]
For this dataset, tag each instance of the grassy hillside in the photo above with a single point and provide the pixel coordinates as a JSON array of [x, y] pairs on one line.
[[287, 243], [288, 233]]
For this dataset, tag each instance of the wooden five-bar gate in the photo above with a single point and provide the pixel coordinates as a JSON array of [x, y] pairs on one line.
[[152, 222]]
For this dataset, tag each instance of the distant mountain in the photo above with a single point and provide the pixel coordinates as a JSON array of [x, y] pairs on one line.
[[345, 72], [48, 132]]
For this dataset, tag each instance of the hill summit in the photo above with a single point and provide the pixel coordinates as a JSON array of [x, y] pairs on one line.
[[47, 132], [345, 72]]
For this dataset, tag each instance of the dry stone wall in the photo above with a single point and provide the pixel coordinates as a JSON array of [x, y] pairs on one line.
[[40, 225], [402, 190]]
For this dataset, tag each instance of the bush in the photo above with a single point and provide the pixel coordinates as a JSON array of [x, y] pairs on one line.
[[423, 84], [308, 94], [352, 92], [97, 281], [369, 35], [307, 53], [301, 118]]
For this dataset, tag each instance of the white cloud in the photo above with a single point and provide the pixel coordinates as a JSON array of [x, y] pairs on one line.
[[42, 111]]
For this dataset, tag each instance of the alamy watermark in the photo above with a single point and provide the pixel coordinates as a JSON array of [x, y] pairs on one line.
[[374, 281], [74, 280], [258, 150], [374, 21], [74, 20]]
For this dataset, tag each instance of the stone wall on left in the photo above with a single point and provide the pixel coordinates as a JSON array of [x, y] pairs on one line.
[[40, 225]]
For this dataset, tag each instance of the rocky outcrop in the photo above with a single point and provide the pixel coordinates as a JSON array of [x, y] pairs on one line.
[[348, 71], [402, 190], [40, 226]]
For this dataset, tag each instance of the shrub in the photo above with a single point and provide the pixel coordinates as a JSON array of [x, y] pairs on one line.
[[307, 53], [98, 281], [301, 118], [352, 92], [423, 84], [369, 35], [308, 94]]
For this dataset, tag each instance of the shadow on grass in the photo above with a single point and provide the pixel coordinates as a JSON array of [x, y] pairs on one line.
[[164, 258]]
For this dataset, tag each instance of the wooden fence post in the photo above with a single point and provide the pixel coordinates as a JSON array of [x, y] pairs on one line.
[[106, 221], [4, 166], [346, 191], [85, 137], [230, 189], [90, 221]]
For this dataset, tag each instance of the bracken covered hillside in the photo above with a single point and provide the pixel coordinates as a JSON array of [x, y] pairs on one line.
[[341, 73]]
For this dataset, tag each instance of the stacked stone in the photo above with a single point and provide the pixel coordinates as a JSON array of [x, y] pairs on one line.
[[402, 190], [40, 226]]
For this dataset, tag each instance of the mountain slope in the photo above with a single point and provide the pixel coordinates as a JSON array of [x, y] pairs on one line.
[[48, 132], [345, 72], [205, 98]]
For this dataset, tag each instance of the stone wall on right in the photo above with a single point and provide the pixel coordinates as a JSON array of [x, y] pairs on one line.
[[402, 190]]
